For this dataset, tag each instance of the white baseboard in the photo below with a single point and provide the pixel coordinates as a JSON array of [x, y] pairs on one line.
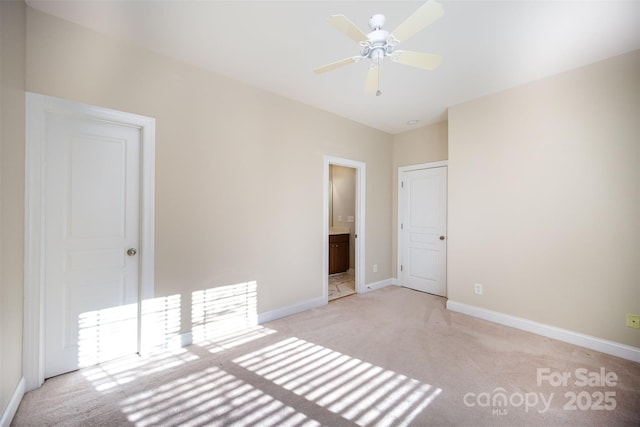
[[186, 338], [609, 347], [376, 285], [268, 316], [14, 402]]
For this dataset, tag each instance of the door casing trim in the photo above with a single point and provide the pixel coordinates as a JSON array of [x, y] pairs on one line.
[[37, 107]]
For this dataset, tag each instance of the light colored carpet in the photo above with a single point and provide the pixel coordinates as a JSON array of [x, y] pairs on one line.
[[390, 357], [341, 285]]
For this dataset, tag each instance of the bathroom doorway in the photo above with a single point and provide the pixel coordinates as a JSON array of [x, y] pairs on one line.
[[344, 225]]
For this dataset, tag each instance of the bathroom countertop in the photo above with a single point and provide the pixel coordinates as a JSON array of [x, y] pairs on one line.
[[339, 230]]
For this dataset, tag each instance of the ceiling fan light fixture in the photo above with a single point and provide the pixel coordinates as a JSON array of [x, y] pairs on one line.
[[377, 54]]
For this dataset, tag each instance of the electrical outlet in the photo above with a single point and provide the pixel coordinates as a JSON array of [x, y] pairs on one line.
[[477, 288], [633, 321], [375, 268]]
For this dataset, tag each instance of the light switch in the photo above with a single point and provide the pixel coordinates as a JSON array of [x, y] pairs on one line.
[[350, 218]]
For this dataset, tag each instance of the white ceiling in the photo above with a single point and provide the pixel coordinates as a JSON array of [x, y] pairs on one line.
[[487, 46]]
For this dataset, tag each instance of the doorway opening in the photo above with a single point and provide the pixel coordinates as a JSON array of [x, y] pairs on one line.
[[88, 234], [342, 211], [343, 227]]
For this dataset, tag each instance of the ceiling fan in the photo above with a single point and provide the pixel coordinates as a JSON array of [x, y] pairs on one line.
[[380, 43]]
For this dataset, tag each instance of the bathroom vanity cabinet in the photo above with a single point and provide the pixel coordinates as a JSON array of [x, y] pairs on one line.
[[338, 253]]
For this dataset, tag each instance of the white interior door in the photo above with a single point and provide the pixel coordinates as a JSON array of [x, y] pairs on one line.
[[92, 210], [423, 216]]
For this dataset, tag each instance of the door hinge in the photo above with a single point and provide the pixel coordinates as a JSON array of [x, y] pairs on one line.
[[401, 184], [401, 267], [401, 226]]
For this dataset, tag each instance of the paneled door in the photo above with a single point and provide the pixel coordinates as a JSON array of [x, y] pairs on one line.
[[92, 209], [423, 215]]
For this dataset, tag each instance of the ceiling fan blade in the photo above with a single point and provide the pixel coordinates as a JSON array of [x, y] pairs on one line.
[[337, 64], [419, 20], [344, 25], [426, 61], [371, 83]]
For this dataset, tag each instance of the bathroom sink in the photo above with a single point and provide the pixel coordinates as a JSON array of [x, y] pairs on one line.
[[339, 230]]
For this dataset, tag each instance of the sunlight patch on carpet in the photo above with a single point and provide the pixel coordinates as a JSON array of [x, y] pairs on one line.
[[210, 397], [109, 375], [105, 333], [356, 390]]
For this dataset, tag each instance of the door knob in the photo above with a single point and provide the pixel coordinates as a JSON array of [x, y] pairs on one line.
[[131, 252], [441, 237]]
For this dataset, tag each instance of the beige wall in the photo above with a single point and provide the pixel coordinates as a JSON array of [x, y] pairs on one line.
[[12, 43], [12, 70], [239, 171], [423, 145], [544, 200]]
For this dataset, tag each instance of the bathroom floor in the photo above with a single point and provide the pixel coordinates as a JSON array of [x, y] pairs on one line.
[[341, 285]]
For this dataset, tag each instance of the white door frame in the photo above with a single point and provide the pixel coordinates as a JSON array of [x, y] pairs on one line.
[[401, 171], [361, 178], [37, 108]]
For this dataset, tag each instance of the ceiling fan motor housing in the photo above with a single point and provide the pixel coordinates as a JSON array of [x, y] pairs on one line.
[[377, 45], [378, 36]]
